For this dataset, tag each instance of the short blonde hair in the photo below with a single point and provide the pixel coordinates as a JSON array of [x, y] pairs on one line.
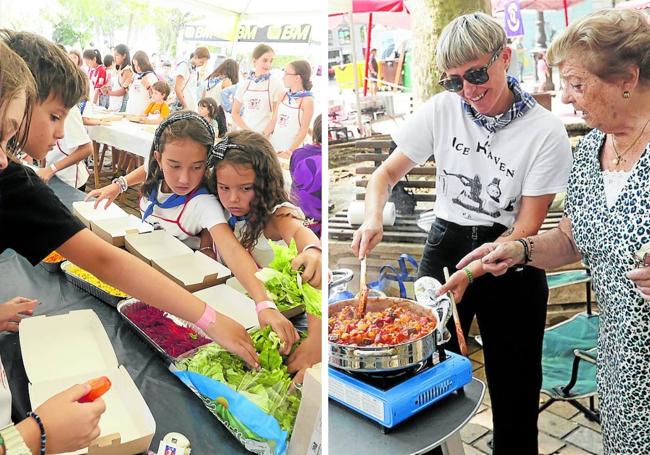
[[467, 38], [607, 41]]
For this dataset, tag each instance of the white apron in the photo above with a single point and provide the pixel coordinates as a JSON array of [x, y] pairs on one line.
[[287, 124], [257, 107]]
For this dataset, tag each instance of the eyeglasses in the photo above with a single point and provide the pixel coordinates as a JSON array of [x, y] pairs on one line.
[[291, 74], [477, 76]]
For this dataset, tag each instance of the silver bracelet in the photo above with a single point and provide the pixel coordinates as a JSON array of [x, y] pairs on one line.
[[312, 245], [121, 183]]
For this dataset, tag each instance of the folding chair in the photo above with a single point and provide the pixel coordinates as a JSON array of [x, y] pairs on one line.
[[570, 350]]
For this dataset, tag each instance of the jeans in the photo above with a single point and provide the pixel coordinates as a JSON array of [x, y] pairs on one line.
[[511, 314]]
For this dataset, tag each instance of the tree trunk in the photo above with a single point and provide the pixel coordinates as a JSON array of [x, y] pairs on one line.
[[430, 17]]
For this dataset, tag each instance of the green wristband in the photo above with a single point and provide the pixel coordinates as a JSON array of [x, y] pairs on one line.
[[470, 275]]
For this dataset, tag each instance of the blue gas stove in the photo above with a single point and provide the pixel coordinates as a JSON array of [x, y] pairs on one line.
[[390, 398]]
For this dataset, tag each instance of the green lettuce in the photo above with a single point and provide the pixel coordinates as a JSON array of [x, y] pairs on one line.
[[284, 284]]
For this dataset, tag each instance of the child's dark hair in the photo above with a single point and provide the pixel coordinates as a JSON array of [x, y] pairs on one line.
[[54, 72], [190, 128], [317, 130], [163, 88], [262, 49], [216, 113], [143, 61], [201, 52], [257, 153], [228, 68], [108, 60], [93, 54], [123, 50], [303, 69]]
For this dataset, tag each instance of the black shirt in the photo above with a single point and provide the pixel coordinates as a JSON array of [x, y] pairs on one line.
[[33, 221]]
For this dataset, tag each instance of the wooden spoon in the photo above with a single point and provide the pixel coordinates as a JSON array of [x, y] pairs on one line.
[[363, 288], [454, 311]]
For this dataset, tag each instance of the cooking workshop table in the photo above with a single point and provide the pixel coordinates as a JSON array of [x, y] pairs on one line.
[[124, 135], [174, 407], [439, 425]]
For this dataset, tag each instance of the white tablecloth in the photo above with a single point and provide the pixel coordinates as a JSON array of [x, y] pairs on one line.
[[124, 135]]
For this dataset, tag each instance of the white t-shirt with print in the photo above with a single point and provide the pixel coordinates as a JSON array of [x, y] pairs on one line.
[[190, 83], [75, 135], [202, 212], [481, 176], [5, 398], [257, 99]]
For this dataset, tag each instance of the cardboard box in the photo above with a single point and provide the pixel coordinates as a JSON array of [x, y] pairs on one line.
[[64, 350], [307, 432], [113, 230], [155, 245], [233, 304], [194, 271], [86, 212]]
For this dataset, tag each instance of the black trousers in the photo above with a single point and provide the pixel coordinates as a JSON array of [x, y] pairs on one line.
[[511, 314]]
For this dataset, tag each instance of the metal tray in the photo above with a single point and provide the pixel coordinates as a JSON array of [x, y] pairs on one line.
[[91, 289], [130, 303]]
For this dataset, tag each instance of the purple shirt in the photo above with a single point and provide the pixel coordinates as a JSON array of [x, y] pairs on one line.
[[306, 174]]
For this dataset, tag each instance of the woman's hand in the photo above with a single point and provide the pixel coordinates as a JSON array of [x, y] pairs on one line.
[[109, 192], [311, 261], [307, 354], [234, 337], [11, 312], [281, 325], [71, 425], [641, 279], [367, 237], [496, 257], [457, 285], [45, 173]]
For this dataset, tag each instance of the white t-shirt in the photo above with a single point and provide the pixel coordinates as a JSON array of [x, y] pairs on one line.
[[139, 97], [5, 398], [481, 176], [75, 135], [114, 102], [190, 83], [186, 222], [258, 98]]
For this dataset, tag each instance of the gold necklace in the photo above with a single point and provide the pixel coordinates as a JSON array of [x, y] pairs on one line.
[[619, 156]]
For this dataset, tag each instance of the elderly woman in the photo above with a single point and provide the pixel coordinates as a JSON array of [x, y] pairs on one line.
[[604, 60], [500, 159]]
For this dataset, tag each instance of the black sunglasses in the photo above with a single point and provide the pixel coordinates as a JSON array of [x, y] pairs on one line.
[[477, 76]]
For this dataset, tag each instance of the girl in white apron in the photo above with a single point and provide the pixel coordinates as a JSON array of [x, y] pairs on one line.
[[223, 76], [258, 95], [140, 89], [251, 188], [292, 118], [186, 80], [176, 197]]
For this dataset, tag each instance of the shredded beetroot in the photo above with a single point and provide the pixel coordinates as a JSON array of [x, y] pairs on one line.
[[171, 337]]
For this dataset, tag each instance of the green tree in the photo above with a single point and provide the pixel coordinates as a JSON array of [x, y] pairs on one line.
[[169, 24], [430, 17]]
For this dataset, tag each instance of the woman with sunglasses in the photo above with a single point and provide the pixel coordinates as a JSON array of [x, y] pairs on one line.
[[500, 158]]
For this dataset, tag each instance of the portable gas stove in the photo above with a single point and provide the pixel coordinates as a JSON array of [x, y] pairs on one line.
[[390, 398]]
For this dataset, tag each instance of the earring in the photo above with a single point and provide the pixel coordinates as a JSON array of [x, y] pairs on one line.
[[626, 95]]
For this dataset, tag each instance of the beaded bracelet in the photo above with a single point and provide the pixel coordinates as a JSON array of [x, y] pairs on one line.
[[526, 250], [470, 275], [35, 416], [121, 183]]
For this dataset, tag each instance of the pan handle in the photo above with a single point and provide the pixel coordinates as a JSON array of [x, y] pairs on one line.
[[373, 353]]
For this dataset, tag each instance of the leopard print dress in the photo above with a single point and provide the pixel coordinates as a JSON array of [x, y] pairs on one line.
[[607, 239]]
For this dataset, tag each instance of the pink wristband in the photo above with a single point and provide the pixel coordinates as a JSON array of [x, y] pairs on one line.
[[264, 304], [208, 318]]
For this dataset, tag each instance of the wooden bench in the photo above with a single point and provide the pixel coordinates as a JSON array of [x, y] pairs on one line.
[[371, 153]]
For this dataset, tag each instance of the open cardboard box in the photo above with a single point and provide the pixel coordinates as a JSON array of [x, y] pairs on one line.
[[230, 302], [113, 230], [193, 271], [155, 245], [86, 212], [64, 350], [306, 438]]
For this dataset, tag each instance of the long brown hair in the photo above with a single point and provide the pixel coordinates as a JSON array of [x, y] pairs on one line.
[[228, 68], [15, 78], [181, 129], [303, 69], [256, 153]]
